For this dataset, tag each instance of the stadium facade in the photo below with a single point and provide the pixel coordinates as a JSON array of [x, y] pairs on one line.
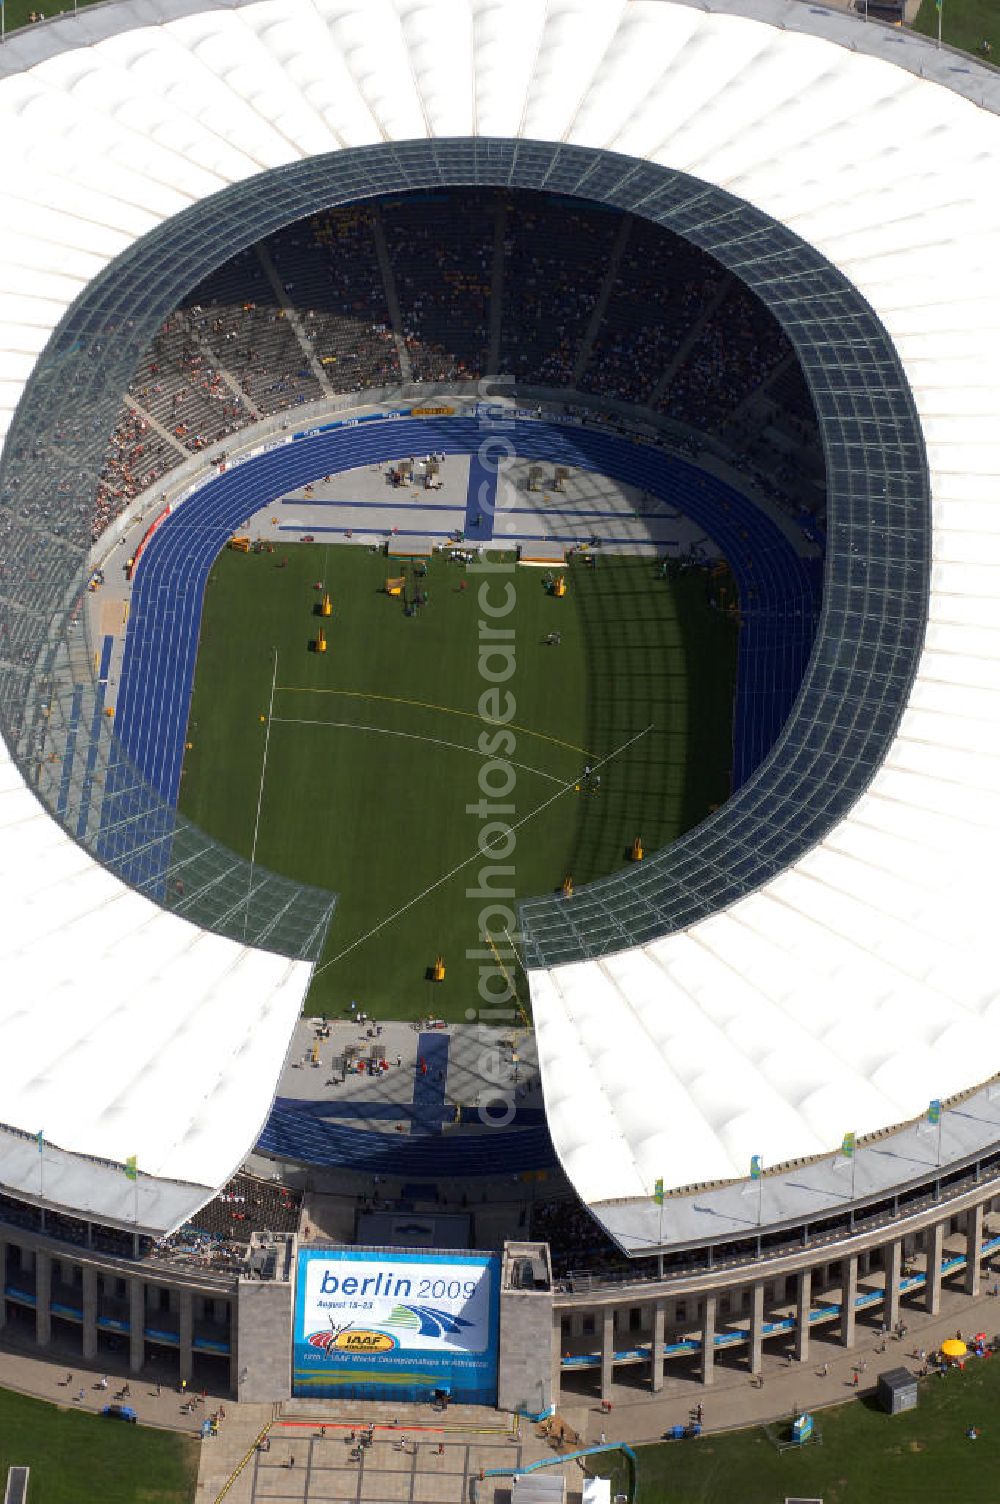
[[812, 966]]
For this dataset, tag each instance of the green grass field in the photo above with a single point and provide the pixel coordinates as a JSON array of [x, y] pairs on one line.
[[19, 10], [85, 1459], [373, 754], [964, 24], [866, 1457]]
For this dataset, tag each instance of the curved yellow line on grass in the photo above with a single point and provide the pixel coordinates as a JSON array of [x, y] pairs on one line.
[[361, 694], [410, 736]]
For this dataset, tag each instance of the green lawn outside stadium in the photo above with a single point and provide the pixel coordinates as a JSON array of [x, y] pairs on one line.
[[866, 1456], [19, 10], [373, 752], [86, 1459], [964, 24]]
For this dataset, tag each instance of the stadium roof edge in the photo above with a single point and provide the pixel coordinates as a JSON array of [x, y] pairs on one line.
[[781, 1057]]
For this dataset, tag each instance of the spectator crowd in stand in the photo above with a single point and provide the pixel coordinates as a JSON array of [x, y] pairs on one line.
[[307, 314]]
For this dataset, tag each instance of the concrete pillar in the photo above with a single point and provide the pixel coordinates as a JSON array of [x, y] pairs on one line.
[[757, 1327], [656, 1350], [43, 1298], [848, 1296], [186, 1335], [973, 1248], [89, 1313], [234, 1355], [3, 1284], [557, 1352], [934, 1240], [892, 1259], [803, 1306], [708, 1341], [137, 1325]]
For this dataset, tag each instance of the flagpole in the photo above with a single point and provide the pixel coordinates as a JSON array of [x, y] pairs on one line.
[[940, 11]]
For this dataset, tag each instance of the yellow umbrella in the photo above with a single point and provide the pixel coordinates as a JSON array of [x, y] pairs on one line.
[[952, 1348]]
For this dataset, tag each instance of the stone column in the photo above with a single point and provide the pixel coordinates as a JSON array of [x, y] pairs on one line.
[[137, 1324], [186, 1334], [233, 1354], [848, 1295], [934, 1239], [43, 1298], [708, 1341], [803, 1306], [757, 1327], [557, 1351], [656, 1350], [892, 1259], [973, 1248], [89, 1313], [607, 1351], [3, 1284]]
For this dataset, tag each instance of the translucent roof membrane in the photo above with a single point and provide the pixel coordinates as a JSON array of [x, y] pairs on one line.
[[844, 885]]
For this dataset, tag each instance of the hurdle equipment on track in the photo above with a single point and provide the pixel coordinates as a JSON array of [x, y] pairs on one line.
[[438, 970], [637, 852], [319, 642], [326, 606]]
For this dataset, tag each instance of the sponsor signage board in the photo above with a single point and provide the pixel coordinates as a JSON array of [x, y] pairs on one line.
[[394, 1324]]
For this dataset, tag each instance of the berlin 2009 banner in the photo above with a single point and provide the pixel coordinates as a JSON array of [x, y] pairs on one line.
[[386, 1324]]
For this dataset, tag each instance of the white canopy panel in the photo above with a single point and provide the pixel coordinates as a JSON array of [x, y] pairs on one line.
[[851, 988], [125, 1030]]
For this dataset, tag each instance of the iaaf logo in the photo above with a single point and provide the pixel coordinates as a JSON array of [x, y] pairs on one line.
[[353, 1340], [428, 1321]]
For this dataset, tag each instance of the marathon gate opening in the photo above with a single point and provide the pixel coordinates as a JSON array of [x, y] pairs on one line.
[[384, 1324]]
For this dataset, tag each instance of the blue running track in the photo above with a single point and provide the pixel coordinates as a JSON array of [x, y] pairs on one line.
[[428, 1086], [779, 592], [480, 501], [779, 595], [299, 1131]]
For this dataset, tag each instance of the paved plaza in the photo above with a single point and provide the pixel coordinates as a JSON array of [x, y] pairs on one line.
[[302, 1467]]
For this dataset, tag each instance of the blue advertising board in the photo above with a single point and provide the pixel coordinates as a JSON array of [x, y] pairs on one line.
[[386, 1324]]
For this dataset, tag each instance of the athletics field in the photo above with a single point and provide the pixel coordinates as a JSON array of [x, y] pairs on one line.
[[375, 748]]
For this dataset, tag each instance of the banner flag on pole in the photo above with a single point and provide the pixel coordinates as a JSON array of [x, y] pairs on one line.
[[658, 1192], [756, 1167], [934, 1111], [132, 1167], [848, 1146], [40, 1135]]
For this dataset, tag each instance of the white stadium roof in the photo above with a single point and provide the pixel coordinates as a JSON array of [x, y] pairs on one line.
[[850, 989]]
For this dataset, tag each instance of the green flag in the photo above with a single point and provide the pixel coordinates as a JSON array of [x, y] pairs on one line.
[[756, 1167], [131, 1167], [848, 1146], [934, 1112], [658, 1193]]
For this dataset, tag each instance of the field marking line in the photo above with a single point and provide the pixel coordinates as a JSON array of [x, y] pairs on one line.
[[413, 736], [472, 715], [260, 794], [476, 855]]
